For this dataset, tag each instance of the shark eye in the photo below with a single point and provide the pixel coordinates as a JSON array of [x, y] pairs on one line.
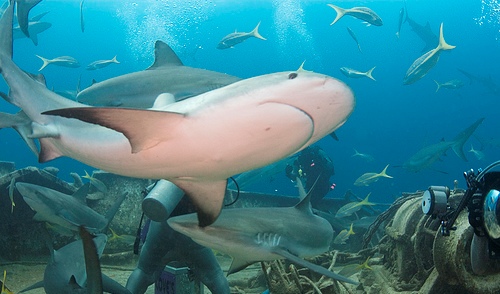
[[292, 75]]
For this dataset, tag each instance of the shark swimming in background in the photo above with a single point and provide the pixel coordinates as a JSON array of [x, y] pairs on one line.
[[424, 33], [250, 235], [35, 27], [66, 211], [66, 272], [166, 75], [195, 143], [426, 156]]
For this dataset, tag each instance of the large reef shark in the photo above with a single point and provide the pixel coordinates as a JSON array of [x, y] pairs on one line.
[[250, 235], [66, 273], [195, 143], [426, 156], [66, 211], [166, 75]]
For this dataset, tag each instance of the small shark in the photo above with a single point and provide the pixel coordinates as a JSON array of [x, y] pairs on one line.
[[352, 73], [486, 82], [67, 211], [363, 13], [65, 272], [166, 75], [23, 10], [35, 27], [423, 32], [250, 235], [426, 62], [235, 38], [426, 156]]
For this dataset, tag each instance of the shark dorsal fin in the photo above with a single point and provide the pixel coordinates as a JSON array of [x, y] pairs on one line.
[[305, 199], [164, 56], [81, 194]]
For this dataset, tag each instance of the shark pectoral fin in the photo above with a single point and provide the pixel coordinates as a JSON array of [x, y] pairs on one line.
[[34, 286], [206, 196], [141, 127], [237, 265], [314, 267]]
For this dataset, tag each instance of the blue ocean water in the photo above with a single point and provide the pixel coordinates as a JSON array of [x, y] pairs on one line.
[[391, 121]]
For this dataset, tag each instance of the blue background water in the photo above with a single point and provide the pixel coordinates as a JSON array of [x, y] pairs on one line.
[[391, 121]]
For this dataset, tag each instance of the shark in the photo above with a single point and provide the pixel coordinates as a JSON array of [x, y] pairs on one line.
[[250, 235], [22, 10], [426, 156], [195, 143], [66, 211], [66, 273], [487, 82], [424, 33], [167, 75]]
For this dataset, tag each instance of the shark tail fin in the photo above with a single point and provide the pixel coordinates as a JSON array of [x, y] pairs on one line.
[[442, 43], [6, 32], [460, 139], [255, 32], [114, 60], [45, 62], [438, 85], [369, 73], [340, 13], [383, 173]]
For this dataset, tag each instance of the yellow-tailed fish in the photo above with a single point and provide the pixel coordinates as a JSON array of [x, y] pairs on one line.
[[343, 236], [368, 178], [4, 288], [353, 207], [351, 269], [96, 183]]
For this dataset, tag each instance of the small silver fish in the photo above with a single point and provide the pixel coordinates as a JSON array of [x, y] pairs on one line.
[[235, 38], [66, 61], [363, 13], [453, 84], [352, 73], [354, 37], [101, 63], [401, 20]]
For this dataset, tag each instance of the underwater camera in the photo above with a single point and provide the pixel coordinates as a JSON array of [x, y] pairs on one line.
[[482, 199]]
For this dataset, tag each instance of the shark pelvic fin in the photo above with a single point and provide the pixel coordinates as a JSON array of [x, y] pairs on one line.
[[47, 151], [206, 196], [138, 125], [237, 265]]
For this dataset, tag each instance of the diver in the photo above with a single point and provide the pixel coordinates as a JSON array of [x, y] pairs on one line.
[[313, 164], [164, 245]]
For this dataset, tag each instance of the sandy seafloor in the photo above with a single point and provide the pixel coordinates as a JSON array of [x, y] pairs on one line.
[[23, 274]]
